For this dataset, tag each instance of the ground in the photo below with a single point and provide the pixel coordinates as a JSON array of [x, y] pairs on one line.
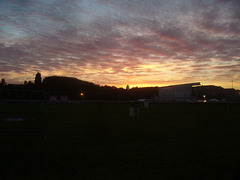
[[101, 141]]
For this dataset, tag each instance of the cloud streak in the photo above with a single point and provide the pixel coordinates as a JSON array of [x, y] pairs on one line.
[[121, 42]]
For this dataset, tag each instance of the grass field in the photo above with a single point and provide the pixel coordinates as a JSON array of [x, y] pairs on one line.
[[101, 141]]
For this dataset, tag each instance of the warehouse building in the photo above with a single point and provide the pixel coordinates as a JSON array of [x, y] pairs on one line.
[[178, 93]]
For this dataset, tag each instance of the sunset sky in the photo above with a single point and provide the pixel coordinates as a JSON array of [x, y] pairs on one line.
[[120, 42]]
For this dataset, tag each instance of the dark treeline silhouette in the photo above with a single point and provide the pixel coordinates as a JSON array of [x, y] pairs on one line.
[[76, 89], [211, 92], [72, 87], [3, 83], [38, 80], [216, 93]]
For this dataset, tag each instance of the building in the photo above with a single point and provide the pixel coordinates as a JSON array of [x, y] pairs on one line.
[[58, 98], [177, 93]]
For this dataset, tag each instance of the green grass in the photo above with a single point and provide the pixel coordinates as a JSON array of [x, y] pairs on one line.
[[101, 141]]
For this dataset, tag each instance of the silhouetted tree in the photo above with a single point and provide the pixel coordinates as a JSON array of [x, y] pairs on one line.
[[127, 87], [3, 82], [30, 83], [211, 92], [25, 83], [72, 87], [143, 93], [69, 86], [38, 80]]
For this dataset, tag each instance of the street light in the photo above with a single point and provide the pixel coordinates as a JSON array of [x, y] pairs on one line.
[[82, 95], [204, 98]]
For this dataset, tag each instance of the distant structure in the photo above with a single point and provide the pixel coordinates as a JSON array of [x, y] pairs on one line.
[[17, 95], [58, 98], [177, 93]]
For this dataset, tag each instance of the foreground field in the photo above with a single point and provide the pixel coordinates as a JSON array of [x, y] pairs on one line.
[[101, 141]]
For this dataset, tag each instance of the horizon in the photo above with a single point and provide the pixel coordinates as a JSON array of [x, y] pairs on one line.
[[130, 85], [142, 43], [124, 87]]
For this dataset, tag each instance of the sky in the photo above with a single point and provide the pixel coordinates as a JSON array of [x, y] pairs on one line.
[[113, 42]]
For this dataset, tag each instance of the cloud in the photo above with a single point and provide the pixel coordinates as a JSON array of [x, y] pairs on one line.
[[102, 39]]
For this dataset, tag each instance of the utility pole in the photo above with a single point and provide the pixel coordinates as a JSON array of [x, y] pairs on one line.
[[232, 84]]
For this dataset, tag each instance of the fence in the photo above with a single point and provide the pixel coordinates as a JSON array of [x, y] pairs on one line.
[[23, 111]]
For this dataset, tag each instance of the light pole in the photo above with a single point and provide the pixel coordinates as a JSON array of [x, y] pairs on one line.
[[204, 98]]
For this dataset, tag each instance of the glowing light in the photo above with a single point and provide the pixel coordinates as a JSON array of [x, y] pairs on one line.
[[204, 98]]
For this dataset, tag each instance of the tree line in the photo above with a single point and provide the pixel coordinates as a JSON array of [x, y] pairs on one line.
[[76, 89]]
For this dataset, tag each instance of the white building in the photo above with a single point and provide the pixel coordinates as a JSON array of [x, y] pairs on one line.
[[179, 93]]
